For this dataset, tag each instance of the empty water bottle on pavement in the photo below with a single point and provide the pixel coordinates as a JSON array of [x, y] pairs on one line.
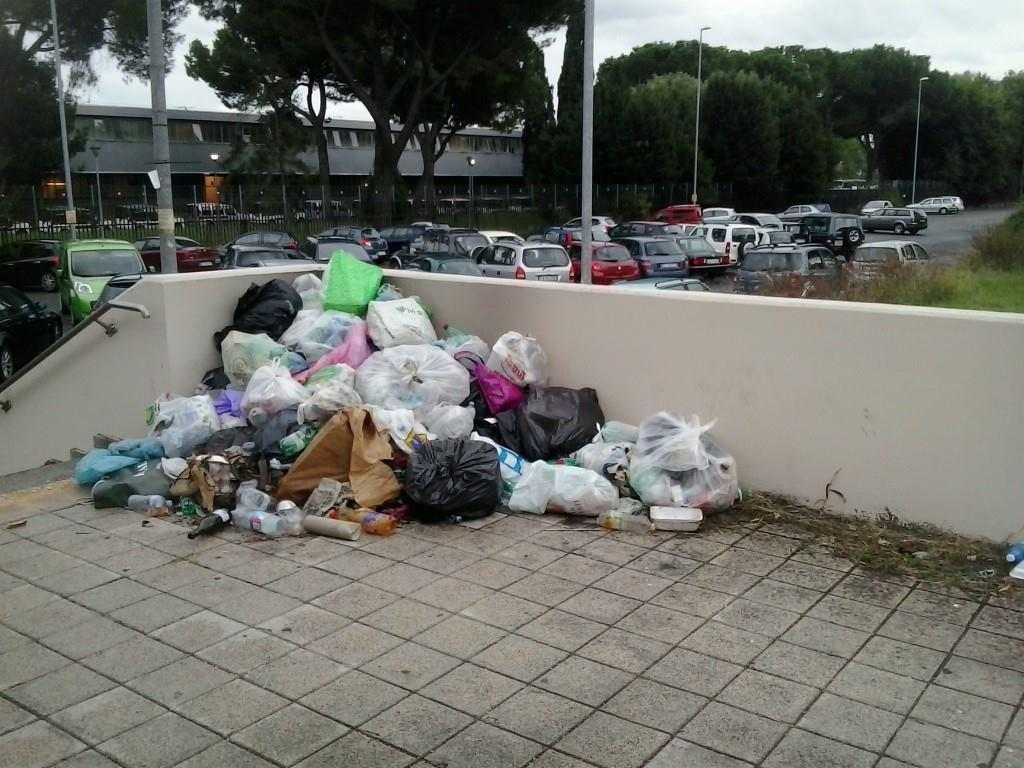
[[154, 506], [1015, 554], [292, 516], [626, 517], [266, 523]]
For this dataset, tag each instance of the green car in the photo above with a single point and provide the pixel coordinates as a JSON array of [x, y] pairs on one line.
[[85, 268]]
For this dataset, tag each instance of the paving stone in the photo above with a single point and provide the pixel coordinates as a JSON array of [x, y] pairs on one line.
[[484, 746], [655, 705], [538, 715], [1000, 621], [402, 579], [734, 732], [76, 580], [720, 579], [354, 698], [693, 672], [693, 600], [770, 544], [562, 630], [725, 642], [608, 550], [526, 554], [963, 712], [932, 605], [176, 574], [234, 706], [296, 674], [355, 644], [544, 589], [612, 742], [826, 636], [1015, 733], [13, 716], [160, 743], [747, 561], [460, 637], [565, 540], [9, 639], [256, 605], [36, 745], [599, 605], [820, 556], [198, 631], [116, 594], [757, 617], [27, 662], [471, 689], [807, 575], [410, 665], [663, 564], [768, 695], [8, 582], [88, 759], [354, 750], [89, 637], [180, 682], [396, 548], [59, 689], [224, 754], [402, 724], [552, 759], [877, 687], [312, 550], [442, 559], [582, 570], [245, 651], [849, 613], [451, 594], [1008, 757], [492, 574], [901, 658], [135, 560], [982, 680], [519, 657], [778, 594], [693, 547], [799, 749], [222, 593], [223, 557], [263, 570], [522, 526], [42, 565], [104, 716], [355, 600], [634, 584], [304, 624], [918, 630], [660, 623], [802, 665], [682, 754], [992, 649], [505, 611], [54, 616], [851, 722], [290, 734], [583, 680], [624, 650], [308, 583], [154, 612], [934, 747], [871, 590]]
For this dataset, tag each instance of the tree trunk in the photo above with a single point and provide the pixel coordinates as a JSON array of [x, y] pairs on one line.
[[428, 190], [385, 169], [324, 162]]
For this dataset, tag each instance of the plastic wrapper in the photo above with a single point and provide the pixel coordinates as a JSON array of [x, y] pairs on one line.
[[243, 353], [677, 464], [350, 285], [304, 321], [562, 488], [453, 477], [269, 308], [553, 423], [456, 341], [353, 351], [324, 334], [449, 421], [520, 359], [393, 323], [311, 290], [617, 432], [327, 398], [147, 448], [416, 377], [498, 393], [610, 460], [403, 426], [273, 389], [99, 463], [389, 292], [510, 464]]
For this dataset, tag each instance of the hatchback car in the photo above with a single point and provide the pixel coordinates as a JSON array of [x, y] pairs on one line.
[[401, 238], [607, 223], [243, 256], [26, 328], [645, 229], [875, 259], [699, 253], [319, 249], [727, 239], [498, 236], [841, 233], [273, 239], [368, 237], [31, 264], [678, 214], [610, 262], [85, 268], [718, 214], [531, 261], [192, 257], [458, 242], [798, 269], [657, 257], [445, 264], [898, 220], [939, 205], [797, 212]]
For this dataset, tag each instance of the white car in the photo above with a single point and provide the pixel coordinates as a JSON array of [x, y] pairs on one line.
[[874, 205], [497, 236], [797, 212], [717, 214], [762, 220], [695, 230], [727, 238], [939, 205], [604, 222]]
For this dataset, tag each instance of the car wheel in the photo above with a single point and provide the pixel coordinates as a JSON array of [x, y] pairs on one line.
[[48, 282], [943, 211], [898, 228], [6, 363]]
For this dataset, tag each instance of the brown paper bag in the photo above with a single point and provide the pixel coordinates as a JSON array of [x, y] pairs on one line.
[[347, 448]]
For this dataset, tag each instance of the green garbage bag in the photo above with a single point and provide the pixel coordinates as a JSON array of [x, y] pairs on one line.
[[350, 285]]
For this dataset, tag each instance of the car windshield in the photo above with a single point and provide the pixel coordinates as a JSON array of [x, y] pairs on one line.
[[184, 242], [537, 258], [873, 254], [695, 246], [324, 251], [875, 204], [815, 224], [780, 237], [371, 233], [459, 267], [611, 253], [766, 261], [253, 258], [662, 248], [464, 244], [105, 263]]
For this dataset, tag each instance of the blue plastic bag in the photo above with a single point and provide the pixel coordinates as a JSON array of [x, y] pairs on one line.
[[97, 464], [146, 448]]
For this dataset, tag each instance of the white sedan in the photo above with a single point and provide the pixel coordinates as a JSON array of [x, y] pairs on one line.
[[939, 205], [496, 236]]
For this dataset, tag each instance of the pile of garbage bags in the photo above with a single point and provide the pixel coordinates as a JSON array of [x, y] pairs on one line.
[[338, 408]]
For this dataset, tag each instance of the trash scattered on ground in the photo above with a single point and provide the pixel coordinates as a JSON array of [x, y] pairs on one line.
[[16, 524]]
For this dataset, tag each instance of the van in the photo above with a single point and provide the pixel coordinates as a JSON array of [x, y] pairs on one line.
[[678, 214], [85, 268], [726, 239]]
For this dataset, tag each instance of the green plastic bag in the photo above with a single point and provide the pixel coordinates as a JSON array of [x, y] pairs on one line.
[[350, 284]]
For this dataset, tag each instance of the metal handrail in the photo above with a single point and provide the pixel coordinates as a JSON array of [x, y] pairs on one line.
[[94, 317]]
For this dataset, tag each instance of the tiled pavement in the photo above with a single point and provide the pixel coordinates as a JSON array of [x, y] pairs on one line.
[[522, 641]]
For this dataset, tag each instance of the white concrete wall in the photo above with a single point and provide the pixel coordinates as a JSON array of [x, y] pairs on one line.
[[920, 412]]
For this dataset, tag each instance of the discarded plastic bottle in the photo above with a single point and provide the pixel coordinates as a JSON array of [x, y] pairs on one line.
[[211, 523], [295, 443], [266, 523], [1015, 554], [377, 523], [615, 520], [154, 506], [251, 498], [292, 516]]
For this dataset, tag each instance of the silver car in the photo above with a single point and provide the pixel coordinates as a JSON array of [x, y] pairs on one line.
[[529, 261]]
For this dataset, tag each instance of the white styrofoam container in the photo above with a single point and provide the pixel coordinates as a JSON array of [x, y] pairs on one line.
[[676, 518]]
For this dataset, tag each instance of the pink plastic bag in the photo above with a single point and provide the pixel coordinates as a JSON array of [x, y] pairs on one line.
[[499, 393], [353, 351]]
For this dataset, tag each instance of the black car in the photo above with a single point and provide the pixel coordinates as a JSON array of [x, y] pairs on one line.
[[26, 328], [841, 233], [239, 256], [445, 264], [456, 242], [368, 237], [272, 239], [898, 220], [799, 270], [30, 264], [657, 257], [645, 229], [320, 248], [401, 238]]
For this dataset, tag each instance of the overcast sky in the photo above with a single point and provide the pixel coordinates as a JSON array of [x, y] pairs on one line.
[[976, 35]]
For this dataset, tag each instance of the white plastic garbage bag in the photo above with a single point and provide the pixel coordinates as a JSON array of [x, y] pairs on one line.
[[402, 321], [242, 353], [610, 460], [617, 432], [303, 323], [405, 429], [561, 488], [449, 421], [272, 389], [520, 359], [311, 290], [327, 332], [183, 422], [460, 342], [416, 377], [677, 464], [510, 464], [326, 399]]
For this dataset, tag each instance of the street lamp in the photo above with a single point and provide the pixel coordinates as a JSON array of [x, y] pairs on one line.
[[696, 128], [917, 136], [95, 150], [471, 161]]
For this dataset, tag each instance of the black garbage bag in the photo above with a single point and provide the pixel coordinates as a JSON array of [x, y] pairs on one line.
[[269, 308], [223, 439], [552, 423], [146, 478], [215, 378], [453, 477]]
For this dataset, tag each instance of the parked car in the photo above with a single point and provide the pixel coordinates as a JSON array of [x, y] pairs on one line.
[[401, 238], [797, 212], [271, 239], [801, 269], [718, 214], [445, 264], [678, 214], [762, 220], [645, 229], [774, 237], [657, 257], [939, 205], [212, 212], [242, 256], [609, 262], [368, 237], [699, 253], [728, 239], [116, 286], [874, 259], [26, 328], [320, 248], [565, 236], [898, 220], [874, 205], [531, 261], [607, 223], [841, 233], [693, 230], [30, 264], [497, 236], [458, 242], [85, 268], [663, 284], [192, 257]]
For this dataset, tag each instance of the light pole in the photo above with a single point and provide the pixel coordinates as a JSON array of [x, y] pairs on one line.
[[95, 149], [917, 136], [69, 196], [587, 160], [161, 140], [471, 161], [216, 166], [696, 126]]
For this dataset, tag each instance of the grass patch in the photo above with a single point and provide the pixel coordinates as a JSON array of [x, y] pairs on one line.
[[961, 287]]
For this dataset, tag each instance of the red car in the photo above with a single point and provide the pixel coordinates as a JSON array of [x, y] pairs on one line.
[[678, 214], [192, 257], [610, 263]]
